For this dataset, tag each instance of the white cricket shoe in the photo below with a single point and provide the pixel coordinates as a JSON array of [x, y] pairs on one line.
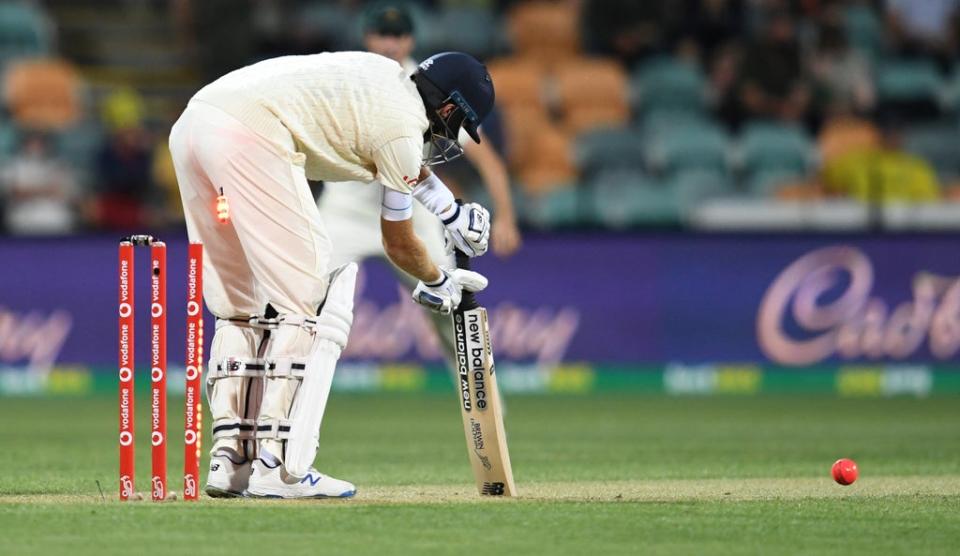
[[226, 478], [275, 482]]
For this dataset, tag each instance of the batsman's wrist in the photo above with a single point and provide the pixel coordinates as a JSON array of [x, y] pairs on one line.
[[451, 215], [438, 281]]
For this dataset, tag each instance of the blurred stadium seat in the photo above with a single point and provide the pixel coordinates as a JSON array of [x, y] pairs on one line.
[[899, 80], [691, 187], [659, 121], [668, 84], [24, 32], [864, 30], [42, 94], [9, 139], [609, 148], [519, 82], [623, 198], [952, 91], [523, 125], [547, 32], [79, 144], [772, 182], [769, 147], [689, 148], [547, 160], [554, 209], [939, 144], [591, 93], [909, 90], [464, 29], [798, 191]]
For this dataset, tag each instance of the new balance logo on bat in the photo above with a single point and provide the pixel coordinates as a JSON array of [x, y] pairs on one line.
[[462, 368]]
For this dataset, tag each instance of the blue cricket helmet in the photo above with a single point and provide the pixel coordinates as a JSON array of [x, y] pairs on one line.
[[457, 78]]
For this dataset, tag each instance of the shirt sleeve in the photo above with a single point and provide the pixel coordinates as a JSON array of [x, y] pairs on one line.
[[398, 163]]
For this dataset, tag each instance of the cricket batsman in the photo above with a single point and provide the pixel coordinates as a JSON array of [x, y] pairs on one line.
[[348, 208], [250, 140]]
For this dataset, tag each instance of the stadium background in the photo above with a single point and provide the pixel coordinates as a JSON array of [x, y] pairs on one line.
[[732, 197]]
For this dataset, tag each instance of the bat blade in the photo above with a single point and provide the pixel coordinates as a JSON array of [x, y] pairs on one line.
[[480, 404]]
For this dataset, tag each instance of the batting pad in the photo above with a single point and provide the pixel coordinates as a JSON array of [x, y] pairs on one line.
[[295, 401]]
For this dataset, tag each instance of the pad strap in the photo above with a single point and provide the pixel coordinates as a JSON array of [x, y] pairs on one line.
[[303, 321], [233, 367], [266, 323], [243, 429], [286, 368], [277, 429], [253, 321]]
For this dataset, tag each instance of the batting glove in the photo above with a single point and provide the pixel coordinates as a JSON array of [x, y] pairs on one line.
[[444, 295], [468, 229]]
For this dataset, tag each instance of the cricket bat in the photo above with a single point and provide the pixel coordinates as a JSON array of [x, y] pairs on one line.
[[480, 404]]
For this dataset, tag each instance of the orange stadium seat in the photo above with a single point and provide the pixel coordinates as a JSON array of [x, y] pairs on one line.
[[585, 118], [43, 94], [549, 161], [519, 82], [799, 191], [844, 135], [523, 126], [592, 93], [545, 31], [952, 193]]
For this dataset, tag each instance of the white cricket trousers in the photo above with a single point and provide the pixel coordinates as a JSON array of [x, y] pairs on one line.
[[274, 248]]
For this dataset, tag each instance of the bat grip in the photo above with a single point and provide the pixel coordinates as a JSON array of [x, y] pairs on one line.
[[468, 300]]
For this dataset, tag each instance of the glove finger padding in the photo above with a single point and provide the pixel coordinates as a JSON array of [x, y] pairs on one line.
[[469, 229], [469, 280], [431, 300]]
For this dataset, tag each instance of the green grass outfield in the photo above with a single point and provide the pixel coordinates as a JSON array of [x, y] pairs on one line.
[[596, 474]]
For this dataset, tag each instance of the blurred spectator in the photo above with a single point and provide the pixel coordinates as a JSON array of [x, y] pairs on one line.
[[843, 135], [711, 25], [627, 29], [771, 82], [724, 77], [123, 165], [40, 192], [925, 28], [882, 174], [841, 75], [123, 108], [222, 32], [714, 29]]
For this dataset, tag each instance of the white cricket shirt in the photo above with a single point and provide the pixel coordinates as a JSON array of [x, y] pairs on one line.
[[354, 115]]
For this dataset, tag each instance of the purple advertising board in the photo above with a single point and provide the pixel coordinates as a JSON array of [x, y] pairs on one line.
[[611, 299]]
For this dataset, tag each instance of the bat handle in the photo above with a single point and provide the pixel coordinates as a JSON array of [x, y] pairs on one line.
[[468, 300], [463, 260]]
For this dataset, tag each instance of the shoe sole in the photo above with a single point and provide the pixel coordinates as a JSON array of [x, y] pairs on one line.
[[214, 492], [348, 494]]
